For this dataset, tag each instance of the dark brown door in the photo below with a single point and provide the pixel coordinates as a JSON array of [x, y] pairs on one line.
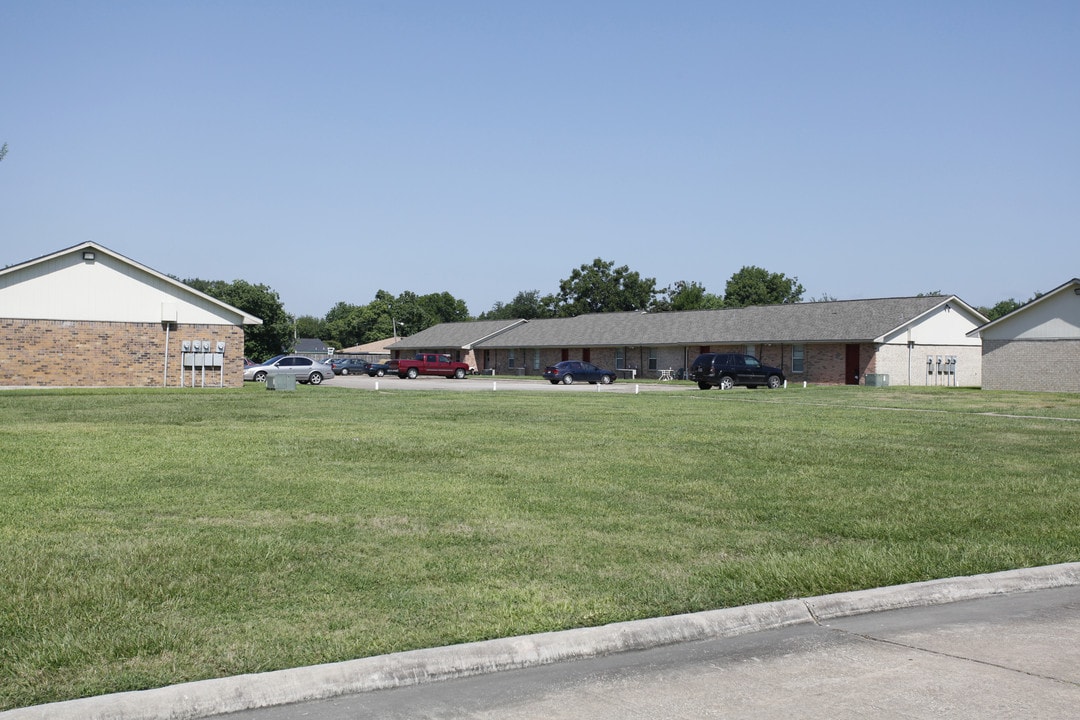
[[565, 354], [586, 355], [851, 365]]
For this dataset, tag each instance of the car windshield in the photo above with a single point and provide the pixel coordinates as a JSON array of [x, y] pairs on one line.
[[272, 360]]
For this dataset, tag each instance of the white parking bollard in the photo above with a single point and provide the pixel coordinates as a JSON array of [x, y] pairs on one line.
[[494, 385], [637, 389], [376, 386]]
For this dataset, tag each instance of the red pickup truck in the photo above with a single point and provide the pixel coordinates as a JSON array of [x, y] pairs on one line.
[[428, 364]]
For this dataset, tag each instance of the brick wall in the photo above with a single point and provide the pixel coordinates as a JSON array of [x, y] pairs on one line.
[[50, 353], [1037, 365], [900, 363]]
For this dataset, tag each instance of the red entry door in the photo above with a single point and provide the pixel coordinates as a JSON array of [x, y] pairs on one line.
[[851, 365]]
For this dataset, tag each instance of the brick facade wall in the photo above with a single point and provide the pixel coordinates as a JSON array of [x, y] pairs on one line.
[[824, 363], [899, 364], [50, 353], [1036, 365]]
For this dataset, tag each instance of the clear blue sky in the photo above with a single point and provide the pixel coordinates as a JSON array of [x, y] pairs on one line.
[[332, 149]]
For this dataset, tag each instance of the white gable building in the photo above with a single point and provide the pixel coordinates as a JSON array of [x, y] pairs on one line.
[[87, 316], [1036, 346]]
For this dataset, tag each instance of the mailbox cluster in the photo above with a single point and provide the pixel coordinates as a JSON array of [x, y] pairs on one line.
[[201, 355], [942, 369]]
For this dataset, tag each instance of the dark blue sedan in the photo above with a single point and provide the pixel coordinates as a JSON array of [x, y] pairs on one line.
[[569, 371]]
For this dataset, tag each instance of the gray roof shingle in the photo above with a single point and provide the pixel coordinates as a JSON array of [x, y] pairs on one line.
[[461, 335], [833, 321]]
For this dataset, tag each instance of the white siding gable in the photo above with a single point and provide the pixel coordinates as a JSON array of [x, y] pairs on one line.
[[105, 289], [947, 324], [1056, 317]]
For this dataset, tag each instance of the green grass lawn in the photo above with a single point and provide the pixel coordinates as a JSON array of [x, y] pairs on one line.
[[157, 536]]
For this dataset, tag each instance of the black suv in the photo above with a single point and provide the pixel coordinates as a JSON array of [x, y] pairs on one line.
[[726, 370]]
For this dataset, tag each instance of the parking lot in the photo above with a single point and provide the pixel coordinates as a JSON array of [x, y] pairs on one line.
[[480, 383]]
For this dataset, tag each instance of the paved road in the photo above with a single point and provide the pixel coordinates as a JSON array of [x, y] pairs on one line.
[[1015, 656], [1002, 645]]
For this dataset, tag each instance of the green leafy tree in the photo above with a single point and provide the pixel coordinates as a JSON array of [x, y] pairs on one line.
[[527, 305], [442, 307], [386, 316], [309, 326], [756, 286], [602, 287], [3, 151], [684, 295], [344, 325], [1005, 307], [275, 335]]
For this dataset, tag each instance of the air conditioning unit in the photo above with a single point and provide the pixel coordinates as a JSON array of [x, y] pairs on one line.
[[877, 380]]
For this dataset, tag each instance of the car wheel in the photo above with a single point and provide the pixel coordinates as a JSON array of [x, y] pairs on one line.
[[315, 378], [344, 371], [567, 379], [412, 373], [727, 382], [606, 379], [703, 386], [554, 382], [260, 376], [459, 374], [381, 373], [774, 382]]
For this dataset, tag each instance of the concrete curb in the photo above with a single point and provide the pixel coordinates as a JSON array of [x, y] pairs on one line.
[[244, 692]]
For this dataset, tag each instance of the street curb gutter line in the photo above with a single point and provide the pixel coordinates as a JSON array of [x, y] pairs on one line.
[[244, 692]]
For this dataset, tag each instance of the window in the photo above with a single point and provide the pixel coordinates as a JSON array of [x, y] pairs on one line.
[[511, 362], [798, 359], [751, 351], [620, 358], [652, 358], [536, 359]]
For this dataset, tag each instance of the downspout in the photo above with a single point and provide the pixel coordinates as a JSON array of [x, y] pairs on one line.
[[165, 379]]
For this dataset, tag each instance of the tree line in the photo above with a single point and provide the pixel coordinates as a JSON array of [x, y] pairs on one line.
[[594, 287]]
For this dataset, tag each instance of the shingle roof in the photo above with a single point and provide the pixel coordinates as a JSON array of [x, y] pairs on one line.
[[463, 335], [834, 321]]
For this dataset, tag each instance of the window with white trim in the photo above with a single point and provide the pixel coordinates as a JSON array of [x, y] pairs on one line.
[[798, 359]]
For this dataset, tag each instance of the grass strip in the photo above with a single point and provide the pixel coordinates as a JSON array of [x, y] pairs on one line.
[[158, 536]]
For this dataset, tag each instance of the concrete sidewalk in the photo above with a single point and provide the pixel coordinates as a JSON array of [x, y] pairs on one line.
[[997, 645]]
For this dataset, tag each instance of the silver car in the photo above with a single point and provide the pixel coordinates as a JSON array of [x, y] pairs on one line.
[[305, 369]]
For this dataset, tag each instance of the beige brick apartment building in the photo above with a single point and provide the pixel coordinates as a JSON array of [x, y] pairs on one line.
[[87, 316], [1036, 346], [901, 341]]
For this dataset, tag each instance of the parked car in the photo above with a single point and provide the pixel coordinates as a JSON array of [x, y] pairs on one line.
[[567, 371], [726, 370], [356, 366], [377, 369], [305, 369]]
